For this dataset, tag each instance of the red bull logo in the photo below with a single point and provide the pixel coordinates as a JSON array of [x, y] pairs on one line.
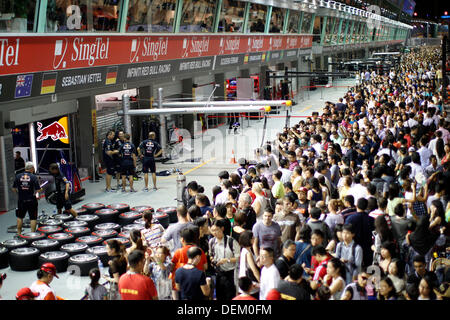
[[55, 131]]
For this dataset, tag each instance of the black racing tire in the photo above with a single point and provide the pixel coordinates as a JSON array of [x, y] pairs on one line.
[[74, 248], [121, 207], [92, 207], [101, 253], [32, 236], [24, 259], [74, 223], [50, 229], [107, 215], [81, 264], [162, 218], [141, 209], [106, 234], [132, 226], [90, 240], [91, 220], [4, 263], [51, 222], [81, 211], [12, 244], [125, 234], [59, 258], [62, 237], [46, 245], [140, 223], [107, 226], [78, 231], [63, 216], [128, 217], [171, 212], [125, 241]]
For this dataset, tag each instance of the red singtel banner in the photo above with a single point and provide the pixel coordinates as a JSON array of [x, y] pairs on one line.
[[28, 54]]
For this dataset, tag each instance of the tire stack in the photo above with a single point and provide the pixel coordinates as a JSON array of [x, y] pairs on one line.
[[90, 219], [121, 207], [163, 219], [48, 230], [46, 245], [74, 248], [75, 245], [125, 241], [142, 209], [106, 234], [81, 264], [171, 212], [65, 217], [126, 218], [107, 215], [92, 207]]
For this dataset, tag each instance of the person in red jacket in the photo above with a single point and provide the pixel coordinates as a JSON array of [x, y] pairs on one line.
[[133, 285]]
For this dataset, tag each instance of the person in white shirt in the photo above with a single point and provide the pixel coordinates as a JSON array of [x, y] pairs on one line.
[[424, 153], [357, 190], [416, 168], [315, 144], [270, 276], [286, 173], [222, 197]]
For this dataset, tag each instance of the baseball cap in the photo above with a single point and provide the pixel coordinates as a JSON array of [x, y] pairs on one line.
[[242, 161], [312, 150], [273, 294], [411, 149], [49, 268], [25, 294], [303, 189]]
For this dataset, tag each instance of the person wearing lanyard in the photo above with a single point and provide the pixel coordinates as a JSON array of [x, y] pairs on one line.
[[26, 185], [225, 252], [148, 150]]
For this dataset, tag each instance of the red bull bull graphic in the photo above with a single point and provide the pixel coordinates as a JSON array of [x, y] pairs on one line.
[[55, 131]]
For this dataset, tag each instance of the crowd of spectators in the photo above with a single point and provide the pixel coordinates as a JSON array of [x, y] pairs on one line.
[[351, 204]]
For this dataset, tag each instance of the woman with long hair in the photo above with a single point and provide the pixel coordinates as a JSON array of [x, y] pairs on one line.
[[386, 290], [247, 261], [152, 233], [117, 266], [335, 278]]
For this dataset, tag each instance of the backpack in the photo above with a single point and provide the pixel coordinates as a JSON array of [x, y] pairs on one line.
[[353, 265], [227, 241]]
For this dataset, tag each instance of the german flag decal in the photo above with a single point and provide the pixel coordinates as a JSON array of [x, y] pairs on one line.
[[111, 75], [48, 83]]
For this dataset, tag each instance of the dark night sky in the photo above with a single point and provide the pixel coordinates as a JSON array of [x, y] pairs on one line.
[[432, 8]]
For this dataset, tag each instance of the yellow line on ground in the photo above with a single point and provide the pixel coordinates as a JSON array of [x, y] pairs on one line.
[[190, 170]]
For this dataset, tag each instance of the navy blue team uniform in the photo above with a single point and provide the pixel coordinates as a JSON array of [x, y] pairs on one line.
[[148, 148], [110, 162], [27, 184], [126, 151], [60, 184], [117, 160]]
